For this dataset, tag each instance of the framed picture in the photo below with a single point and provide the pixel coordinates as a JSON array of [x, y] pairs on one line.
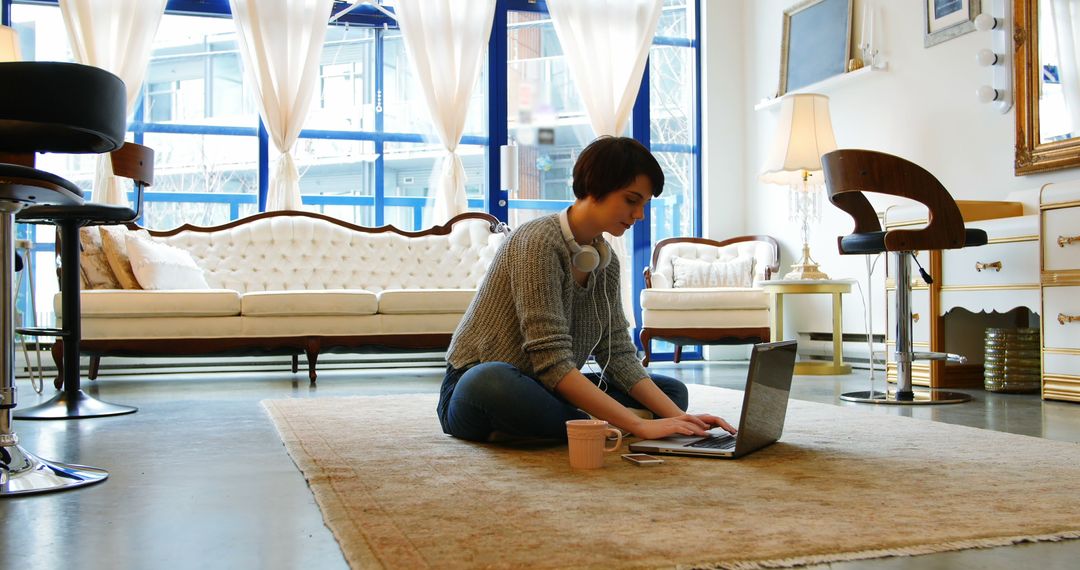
[[946, 19], [816, 42]]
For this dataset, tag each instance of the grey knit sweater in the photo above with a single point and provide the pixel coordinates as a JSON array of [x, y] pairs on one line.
[[530, 313]]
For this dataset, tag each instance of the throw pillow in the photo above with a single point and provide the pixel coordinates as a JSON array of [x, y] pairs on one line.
[[115, 246], [161, 266], [94, 265], [738, 272]]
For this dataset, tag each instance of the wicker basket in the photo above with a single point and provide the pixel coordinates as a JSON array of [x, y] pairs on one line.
[[1012, 360]]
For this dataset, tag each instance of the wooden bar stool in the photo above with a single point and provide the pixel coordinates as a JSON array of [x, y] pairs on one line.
[[849, 173]]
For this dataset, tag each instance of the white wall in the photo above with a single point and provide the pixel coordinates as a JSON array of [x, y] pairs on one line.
[[922, 108]]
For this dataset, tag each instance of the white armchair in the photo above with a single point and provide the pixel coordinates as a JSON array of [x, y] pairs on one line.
[[702, 291]]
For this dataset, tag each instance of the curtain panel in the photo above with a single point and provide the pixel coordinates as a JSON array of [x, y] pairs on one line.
[[115, 35], [446, 41], [606, 44], [280, 44]]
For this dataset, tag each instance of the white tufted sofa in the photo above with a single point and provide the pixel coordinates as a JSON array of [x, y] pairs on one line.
[[290, 282], [690, 297]]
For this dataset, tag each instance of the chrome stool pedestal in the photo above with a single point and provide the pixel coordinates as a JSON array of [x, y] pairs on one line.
[[22, 472], [905, 395]]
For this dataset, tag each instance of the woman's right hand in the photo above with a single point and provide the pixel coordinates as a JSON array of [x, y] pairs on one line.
[[663, 427]]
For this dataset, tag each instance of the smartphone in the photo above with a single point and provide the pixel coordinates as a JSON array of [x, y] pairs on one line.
[[642, 459]]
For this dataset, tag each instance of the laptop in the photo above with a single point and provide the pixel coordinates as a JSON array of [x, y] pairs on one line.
[[768, 383]]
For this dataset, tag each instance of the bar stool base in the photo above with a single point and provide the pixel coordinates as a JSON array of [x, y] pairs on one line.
[[64, 406], [922, 397], [23, 473]]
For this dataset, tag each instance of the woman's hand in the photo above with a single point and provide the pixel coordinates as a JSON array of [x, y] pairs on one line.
[[686, 424]]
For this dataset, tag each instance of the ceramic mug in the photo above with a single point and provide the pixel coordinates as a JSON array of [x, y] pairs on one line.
[[586, 442]]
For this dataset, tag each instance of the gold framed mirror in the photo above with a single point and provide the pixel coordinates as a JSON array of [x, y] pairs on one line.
[[1047, 88]]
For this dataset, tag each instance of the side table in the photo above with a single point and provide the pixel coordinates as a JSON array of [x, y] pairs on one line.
[[777, 288]]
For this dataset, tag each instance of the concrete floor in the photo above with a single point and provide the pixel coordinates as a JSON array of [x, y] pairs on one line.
[[200, 479]]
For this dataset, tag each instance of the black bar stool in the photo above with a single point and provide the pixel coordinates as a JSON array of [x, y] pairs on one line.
[[131, 161], [46, 107]]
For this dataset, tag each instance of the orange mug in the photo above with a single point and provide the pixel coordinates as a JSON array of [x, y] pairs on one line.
[[586, 442]]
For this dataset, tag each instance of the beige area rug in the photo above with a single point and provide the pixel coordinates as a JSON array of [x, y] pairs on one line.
[[842, 484]]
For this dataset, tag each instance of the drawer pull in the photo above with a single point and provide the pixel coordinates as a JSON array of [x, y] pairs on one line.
[[1063, 318], [1064, 241], [995, 265]]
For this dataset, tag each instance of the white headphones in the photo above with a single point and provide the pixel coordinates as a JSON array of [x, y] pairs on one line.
[[584, 257]]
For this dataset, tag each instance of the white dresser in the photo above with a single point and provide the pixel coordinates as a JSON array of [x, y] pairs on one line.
[[1059, 221]]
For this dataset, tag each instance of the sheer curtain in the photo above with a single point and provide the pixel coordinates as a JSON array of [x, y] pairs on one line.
[[606, 43], [1066, 17], [280, 43], [445, 41], [115, 35]]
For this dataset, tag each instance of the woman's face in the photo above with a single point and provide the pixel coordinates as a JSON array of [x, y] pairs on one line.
[[619, 210]]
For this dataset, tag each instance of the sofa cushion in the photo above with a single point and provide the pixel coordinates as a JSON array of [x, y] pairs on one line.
[[115, 246], [737, 272], [704, 299], [162, 266], [93, 263], [177, 303], [424, 301], [333, 302]]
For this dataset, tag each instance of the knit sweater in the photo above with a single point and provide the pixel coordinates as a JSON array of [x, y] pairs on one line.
[[532, 314]]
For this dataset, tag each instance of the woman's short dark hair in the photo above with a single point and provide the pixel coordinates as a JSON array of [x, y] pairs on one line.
[[613, 163]]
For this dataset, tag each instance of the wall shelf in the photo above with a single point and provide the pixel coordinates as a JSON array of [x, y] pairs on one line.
[[825, 84]]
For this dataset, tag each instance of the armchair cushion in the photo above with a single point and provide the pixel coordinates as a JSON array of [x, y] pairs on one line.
[[704, 299], [737, 272]]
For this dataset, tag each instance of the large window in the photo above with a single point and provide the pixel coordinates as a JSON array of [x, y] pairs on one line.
[[368, 153]]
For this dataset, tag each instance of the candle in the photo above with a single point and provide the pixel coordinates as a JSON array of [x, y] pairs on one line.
[[870, 39], [863, 31]]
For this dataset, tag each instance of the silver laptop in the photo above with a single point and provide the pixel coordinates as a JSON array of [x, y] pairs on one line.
[[764, 407]]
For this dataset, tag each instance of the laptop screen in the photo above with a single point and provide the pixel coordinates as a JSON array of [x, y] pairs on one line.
[[766, 398]]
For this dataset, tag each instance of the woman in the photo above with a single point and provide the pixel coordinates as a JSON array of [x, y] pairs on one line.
[[550, 299]]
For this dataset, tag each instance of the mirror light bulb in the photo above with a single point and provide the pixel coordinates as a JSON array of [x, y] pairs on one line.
[[986, 58], [985, 22], [986, 94]]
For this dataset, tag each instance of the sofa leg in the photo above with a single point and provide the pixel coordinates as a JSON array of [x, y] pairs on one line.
[[646, 338], [312, 357], [295, 363], [95, 362], [58, 359]]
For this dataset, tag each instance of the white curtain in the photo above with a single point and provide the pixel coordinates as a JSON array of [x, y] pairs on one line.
[[280, 44], [1066, 17], [115, 35], [606, 43], [446, 41]]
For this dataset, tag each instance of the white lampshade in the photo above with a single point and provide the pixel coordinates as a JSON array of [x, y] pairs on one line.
[[803, 134], [9, 44]]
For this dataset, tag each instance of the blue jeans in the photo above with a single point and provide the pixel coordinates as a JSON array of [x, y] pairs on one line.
[[495, 396]]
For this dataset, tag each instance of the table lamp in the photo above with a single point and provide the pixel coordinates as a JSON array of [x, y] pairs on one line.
[[9, 45], [803, 134]]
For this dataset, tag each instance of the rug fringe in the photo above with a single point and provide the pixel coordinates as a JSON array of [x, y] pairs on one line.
[[885, 553]]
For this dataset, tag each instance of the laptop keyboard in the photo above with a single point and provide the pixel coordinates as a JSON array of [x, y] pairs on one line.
[[725, 441]]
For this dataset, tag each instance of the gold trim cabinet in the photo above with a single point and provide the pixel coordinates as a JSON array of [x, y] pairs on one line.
[[1059, 264]]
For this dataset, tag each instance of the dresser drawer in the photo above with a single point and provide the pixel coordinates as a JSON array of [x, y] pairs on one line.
[[920, 312], [1059, 304], [1061, 239], [995, 264]]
